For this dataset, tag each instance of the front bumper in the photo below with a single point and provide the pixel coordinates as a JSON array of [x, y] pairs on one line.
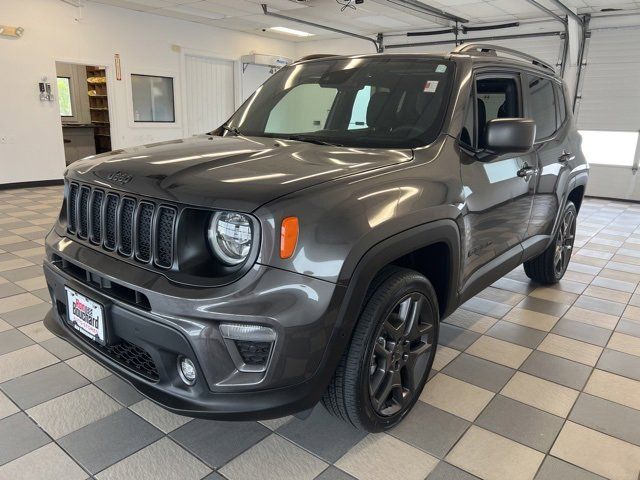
[[176, 321]]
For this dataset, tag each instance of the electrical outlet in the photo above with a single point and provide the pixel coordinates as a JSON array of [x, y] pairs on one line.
[[4, 139]]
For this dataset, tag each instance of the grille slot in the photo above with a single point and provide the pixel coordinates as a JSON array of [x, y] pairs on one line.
[[96, 216], [127, 210], [83, 212], [72, 215], [135, 358], [138, 229], [110, 217], [164, 236], [143, 229]]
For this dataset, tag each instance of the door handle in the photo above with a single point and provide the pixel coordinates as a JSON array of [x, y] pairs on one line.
[[526, 171], [566, 157]]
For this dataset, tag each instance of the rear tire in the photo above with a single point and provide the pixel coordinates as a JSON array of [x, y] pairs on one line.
[[388, 361], [550, 266]]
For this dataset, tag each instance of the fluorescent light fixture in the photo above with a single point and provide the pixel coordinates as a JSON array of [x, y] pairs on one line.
[[290, 31]]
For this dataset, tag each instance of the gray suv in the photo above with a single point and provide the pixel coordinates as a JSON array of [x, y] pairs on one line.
[[308, 249]]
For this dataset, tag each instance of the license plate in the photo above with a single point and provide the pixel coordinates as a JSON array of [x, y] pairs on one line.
[[86, 316]]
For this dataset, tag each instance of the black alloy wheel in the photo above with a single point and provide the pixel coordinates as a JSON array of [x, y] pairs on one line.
[[400, 355]]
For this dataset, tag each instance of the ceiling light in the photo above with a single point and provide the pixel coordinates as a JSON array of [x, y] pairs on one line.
[[290, 31]]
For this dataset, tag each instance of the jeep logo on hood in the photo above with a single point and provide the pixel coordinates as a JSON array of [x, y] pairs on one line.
[[119, 177]]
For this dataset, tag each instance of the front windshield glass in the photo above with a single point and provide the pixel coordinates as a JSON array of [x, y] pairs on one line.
[[365, 102]]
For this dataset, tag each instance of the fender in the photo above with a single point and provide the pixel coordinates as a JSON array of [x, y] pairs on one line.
[[377, 257], [390, 249]]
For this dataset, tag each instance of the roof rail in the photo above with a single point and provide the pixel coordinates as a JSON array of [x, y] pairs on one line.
[[492, 50], [315, 56]]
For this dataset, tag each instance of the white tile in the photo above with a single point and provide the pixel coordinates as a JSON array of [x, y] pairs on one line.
[[383, 457], [163, 459], [493, 457], [159, 417], [274, 457]]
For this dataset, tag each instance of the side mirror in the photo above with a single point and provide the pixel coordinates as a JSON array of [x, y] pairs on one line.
[[510, 135]]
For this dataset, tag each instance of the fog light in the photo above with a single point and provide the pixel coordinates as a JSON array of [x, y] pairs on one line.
[[187, 370]]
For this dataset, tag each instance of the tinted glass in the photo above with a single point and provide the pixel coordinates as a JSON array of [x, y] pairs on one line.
[[496, 98], [369, 102], [542, 105], [562, 107]]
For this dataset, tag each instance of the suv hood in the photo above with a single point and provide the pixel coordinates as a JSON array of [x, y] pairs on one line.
[[235, 173]]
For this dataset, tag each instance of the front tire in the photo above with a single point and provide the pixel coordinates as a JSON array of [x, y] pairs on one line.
[[550, 266], [388, 361]]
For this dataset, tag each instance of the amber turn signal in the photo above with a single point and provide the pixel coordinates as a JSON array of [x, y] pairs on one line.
[[288, 236]]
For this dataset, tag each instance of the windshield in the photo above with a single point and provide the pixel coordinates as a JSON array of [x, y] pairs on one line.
[[365, 102]]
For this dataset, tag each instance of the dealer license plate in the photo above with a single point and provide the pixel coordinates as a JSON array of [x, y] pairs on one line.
[[86, 316]]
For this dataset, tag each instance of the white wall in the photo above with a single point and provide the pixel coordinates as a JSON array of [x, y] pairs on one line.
[[30, 131]]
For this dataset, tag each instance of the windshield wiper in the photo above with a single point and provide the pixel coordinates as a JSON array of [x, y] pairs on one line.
[[316, 141], [232, 130]]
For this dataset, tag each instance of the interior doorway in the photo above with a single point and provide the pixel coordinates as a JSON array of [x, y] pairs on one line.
[[84, 109]]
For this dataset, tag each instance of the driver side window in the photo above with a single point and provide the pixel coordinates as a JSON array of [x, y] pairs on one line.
[[495, 97]]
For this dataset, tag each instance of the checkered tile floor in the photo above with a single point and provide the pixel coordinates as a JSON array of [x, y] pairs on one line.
[[531, 382]]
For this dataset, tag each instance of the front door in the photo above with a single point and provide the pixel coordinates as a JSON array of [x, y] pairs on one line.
[[498, 193]]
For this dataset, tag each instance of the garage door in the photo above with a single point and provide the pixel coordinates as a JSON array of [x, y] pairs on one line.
[[609, 112], [209, 93]]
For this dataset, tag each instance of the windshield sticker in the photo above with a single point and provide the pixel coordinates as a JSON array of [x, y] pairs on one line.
[[441, 68], [430, 86]]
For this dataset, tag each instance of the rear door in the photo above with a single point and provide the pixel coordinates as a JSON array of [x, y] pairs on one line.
[[499, 192], [546, 105]]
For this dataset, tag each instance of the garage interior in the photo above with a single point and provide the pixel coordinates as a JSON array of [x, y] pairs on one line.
[[528, 381]]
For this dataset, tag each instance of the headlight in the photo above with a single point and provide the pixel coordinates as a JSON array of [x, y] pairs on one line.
[[231, 236]]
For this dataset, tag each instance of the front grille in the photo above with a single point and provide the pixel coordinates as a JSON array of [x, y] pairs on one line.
[[126, 226], [133, 228], [143, 227], [133, 357]]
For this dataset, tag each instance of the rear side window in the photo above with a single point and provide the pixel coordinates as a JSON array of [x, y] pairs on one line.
[[562, 106], [542, 105]]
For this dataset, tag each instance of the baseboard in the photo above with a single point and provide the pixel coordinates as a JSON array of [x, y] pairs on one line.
[[597, 197], [38, 183]]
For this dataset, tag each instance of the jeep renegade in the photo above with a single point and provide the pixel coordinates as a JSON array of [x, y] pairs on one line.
[[308, 248]]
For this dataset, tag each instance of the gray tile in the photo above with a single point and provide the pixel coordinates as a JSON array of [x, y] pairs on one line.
[[556, 369], [42, 385], [555, 469], [620, 363], [322, 434], [544, 306], [458, 338], [15, 247], [582, 331], [486, 307], [517, 286], [520, 422], [27, 315], [629, 327], [214, 476], [599, 305], [216, 443], [22, 273], [445, 471], [607, 417], [518, 334], [60, 348], [333, 473], [11, 340], [479, 372], [109, 440], [430, 429], [19, 436], [8, 289], [120, 390]]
